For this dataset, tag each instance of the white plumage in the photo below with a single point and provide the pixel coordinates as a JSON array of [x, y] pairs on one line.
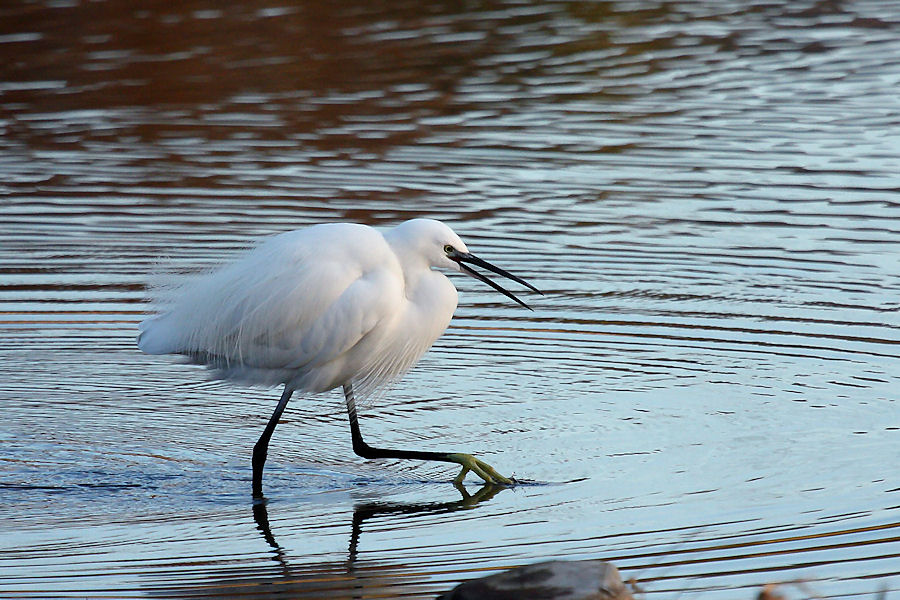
[[327, 306], [315, 308]]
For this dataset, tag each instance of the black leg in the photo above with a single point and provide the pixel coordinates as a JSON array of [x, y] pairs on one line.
[[261, 449], [467, 461], [367, 451]]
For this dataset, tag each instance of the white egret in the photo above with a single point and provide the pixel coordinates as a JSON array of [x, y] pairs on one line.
[[331, 305]]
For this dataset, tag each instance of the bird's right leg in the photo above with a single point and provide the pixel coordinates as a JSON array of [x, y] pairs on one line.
[[261, 449], [466, 461], [477, 466]]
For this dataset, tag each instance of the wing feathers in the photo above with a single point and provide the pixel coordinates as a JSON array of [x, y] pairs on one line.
[[293, 304]]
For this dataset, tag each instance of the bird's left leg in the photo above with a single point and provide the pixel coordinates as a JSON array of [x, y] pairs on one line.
[[467, 461], [261, 449]]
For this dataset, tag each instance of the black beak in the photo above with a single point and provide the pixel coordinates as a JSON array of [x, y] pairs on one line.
[[464, 257]]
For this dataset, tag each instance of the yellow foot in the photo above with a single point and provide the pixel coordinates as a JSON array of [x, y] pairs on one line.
[[479, 467]]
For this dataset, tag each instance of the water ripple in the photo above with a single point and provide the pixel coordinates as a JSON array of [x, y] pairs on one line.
[[705, 191]]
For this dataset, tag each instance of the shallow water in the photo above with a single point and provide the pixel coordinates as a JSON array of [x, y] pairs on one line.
[[706, 191]]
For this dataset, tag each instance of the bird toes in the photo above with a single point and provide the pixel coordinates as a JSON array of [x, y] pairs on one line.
[[479, 467], [462, 475]]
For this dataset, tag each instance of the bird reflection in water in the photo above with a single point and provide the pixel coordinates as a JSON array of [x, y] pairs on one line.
[[326, 579], [370, 510]]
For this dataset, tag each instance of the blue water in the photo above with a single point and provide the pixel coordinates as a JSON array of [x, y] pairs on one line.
[[706, 395]]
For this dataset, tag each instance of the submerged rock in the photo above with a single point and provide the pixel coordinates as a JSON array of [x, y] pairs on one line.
[[552, 580]]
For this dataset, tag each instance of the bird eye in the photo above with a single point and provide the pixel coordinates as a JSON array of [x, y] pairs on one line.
[[449, 249]]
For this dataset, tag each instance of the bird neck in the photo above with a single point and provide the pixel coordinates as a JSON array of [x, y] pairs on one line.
[[412, 259]]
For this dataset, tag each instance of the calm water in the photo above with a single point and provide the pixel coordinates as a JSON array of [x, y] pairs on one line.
[[707, 191]]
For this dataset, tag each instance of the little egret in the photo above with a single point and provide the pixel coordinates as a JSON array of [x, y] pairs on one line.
[[331, 305]]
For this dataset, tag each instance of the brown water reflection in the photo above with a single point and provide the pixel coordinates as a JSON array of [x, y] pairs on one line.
[[707, 191]]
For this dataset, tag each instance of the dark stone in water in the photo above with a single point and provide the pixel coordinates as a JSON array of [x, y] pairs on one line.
[[552, 580]]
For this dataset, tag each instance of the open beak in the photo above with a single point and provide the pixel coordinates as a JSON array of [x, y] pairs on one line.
[[464, 257]]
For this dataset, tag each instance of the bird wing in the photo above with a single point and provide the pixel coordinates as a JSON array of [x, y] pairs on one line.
[[294, 303]]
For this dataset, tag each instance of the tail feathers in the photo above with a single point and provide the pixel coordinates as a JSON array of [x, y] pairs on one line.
[[160, 335], [157, 337]]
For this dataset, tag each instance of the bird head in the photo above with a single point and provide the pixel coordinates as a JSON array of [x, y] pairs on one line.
[[442, 248]]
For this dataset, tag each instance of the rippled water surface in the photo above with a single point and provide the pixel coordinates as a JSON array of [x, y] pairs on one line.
[[707, 192]]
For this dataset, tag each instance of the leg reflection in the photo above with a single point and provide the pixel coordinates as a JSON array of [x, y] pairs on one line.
[[261, 517], [371, 510]]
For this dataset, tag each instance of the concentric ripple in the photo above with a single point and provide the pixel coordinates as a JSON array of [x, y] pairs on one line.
[[706, 395]]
